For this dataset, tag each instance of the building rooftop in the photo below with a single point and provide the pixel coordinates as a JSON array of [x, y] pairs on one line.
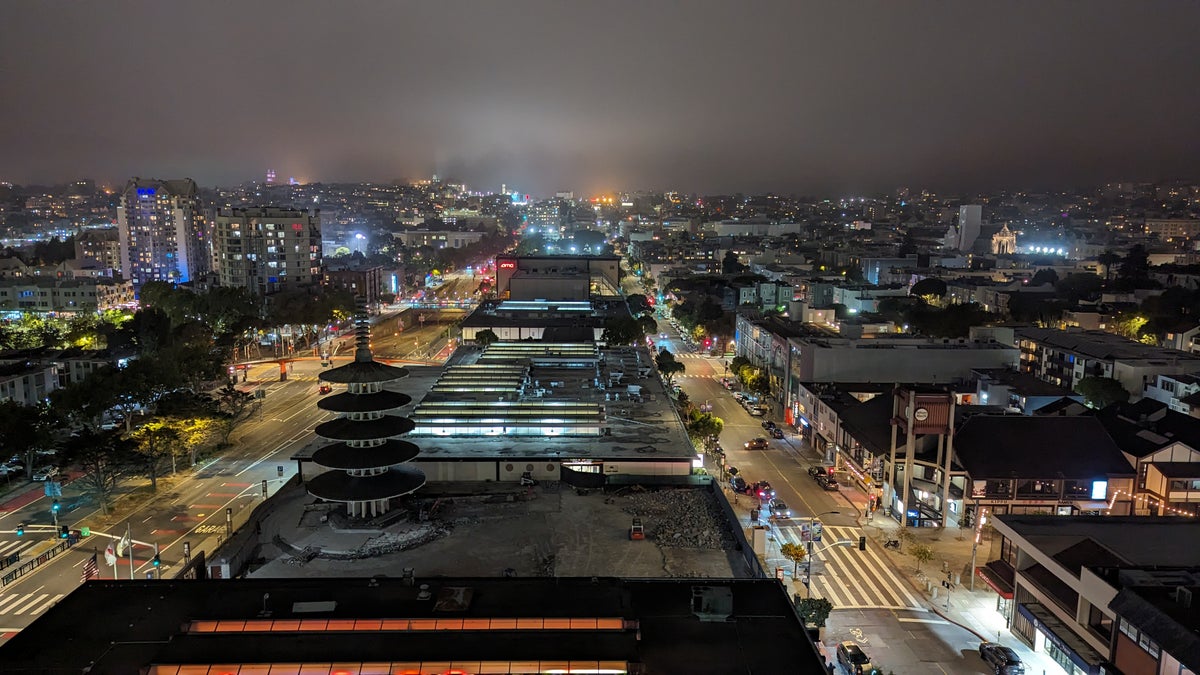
[[1103, 345], [474, 624], [1175, 541], [1017, 446]]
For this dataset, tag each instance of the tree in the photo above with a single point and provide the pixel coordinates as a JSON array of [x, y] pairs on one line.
[[795, 553], [813, 611], [622, 330], [702, 425], [236, 406], [486, 337], [26, 429], [1135, 266], [921, 552], [929, 286], [730, 264], [638, 303], [1100, 392], [105, 459], [155, 442], [667, 366], [1044, 276], [1108, 259]]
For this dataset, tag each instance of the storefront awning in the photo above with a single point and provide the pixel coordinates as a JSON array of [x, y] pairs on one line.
[[998, 576]]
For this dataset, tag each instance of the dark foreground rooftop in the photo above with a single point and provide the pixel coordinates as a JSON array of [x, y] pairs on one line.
[[353, 626]]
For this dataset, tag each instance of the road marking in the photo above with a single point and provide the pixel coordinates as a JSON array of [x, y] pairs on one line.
[[162, 532], [48, 604], [31, 603], [222, 494], [204, 506], [241, 485], [916, 620]]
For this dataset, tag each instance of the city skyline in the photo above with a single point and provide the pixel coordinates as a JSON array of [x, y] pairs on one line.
[[790, 99]]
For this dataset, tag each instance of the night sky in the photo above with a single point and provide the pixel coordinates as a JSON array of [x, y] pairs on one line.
[[791, 96]]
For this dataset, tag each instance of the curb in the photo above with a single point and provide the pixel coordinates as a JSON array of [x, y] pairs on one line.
[[963, 626]]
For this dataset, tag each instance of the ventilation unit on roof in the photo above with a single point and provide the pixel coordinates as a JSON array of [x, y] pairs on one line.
[[1183, 596]]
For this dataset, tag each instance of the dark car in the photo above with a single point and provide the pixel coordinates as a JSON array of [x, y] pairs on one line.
[[827, 483], [324, 389], [818, 471], [1002, 659], [777, 433], [779, 509], [768, 425], [852, 658], [740, 485], [756, 444], [763, 489]]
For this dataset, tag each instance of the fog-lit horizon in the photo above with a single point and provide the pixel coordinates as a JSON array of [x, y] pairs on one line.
[[543, 96]]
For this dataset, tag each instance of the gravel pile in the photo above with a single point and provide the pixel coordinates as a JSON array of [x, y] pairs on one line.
[[680, 519]]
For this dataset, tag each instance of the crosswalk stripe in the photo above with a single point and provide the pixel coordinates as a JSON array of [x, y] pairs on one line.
[[9, 547], [852, 579], [5, 600], [48, 604], [872, 570], [31, 603]]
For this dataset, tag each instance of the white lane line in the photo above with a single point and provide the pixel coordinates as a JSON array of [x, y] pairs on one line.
[[916, 620]]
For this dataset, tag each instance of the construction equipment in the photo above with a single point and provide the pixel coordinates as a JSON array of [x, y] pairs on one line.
[[636, 531]]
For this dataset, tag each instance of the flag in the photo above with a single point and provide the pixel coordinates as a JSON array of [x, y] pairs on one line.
[[123, 544], [90, 569], [110, 555]]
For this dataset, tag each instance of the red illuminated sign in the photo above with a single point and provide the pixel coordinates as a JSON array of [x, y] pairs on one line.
[[508, 265]]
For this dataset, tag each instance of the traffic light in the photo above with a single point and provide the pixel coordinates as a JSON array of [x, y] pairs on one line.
[[157, 562], [862, 543], [20, 529], [64, 532], [54, 507]]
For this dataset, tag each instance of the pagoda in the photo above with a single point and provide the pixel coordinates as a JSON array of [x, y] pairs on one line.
[[365, 460]]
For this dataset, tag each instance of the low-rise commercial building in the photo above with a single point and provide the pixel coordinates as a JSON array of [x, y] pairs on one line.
[[64, 295], [1099, 594]]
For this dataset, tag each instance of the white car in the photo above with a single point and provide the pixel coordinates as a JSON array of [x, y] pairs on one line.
[[45, 473]]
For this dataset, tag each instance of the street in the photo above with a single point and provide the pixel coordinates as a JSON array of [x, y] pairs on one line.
[[189, 508], [874, 603]]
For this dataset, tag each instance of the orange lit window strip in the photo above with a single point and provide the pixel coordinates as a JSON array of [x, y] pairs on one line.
[[405, 625], [522, 667]]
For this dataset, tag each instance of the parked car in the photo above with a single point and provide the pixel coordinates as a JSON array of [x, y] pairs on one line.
[[777, 433], [739, 396], [45, 473], [768, 425], [756, 444], [764, 491], [11, 469], [852, 658], [756, 411], [1002, 659], [818, 471], [827, 483], [779, 509], [740, 485]]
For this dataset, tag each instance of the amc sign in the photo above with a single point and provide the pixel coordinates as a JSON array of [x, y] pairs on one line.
[[507, 265]]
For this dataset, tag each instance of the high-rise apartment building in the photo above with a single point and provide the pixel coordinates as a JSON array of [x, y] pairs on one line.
[[162, 231], [970, 221], [100, 244], [267, 249]]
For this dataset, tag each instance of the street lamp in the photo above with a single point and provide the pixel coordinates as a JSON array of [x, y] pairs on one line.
[[808, 563]]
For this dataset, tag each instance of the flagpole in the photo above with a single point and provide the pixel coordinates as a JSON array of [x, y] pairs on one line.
[[130, 538]]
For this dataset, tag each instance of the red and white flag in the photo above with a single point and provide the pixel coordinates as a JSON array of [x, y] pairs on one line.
[[91, 569], [110, 555]]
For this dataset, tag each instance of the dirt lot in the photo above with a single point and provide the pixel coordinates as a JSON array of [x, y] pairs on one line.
[[550, 531]]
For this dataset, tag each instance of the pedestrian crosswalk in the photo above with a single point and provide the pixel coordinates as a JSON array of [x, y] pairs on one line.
[[23, 604], [27, 604], [848, 577], [12, 546]]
